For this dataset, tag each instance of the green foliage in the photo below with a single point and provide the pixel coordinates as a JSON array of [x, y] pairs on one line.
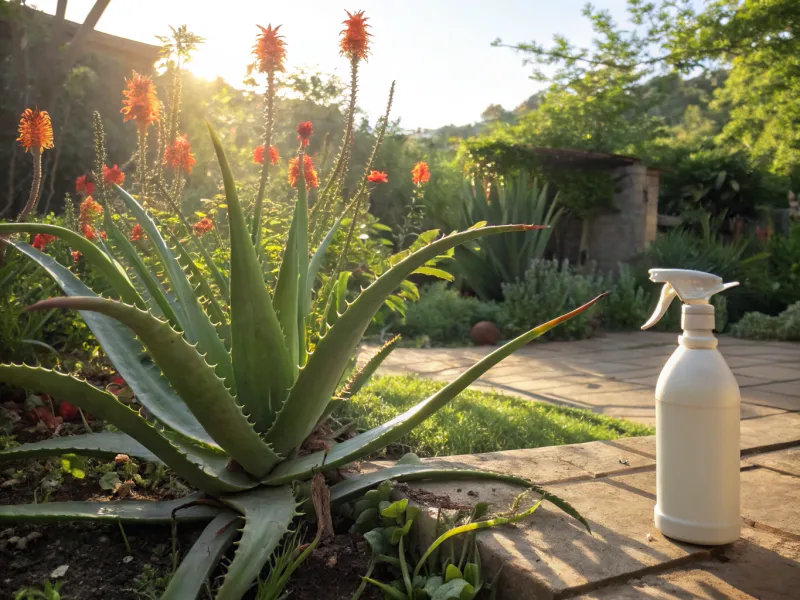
[[628, 305], [445, 316], [50, 591], [479, 421], [486, 265], [758, 326], [549, 285], [733, 261]]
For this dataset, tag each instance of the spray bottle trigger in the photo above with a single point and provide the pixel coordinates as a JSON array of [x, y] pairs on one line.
[[668, 294]]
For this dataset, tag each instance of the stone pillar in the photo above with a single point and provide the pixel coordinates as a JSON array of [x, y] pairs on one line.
[[621, 235]]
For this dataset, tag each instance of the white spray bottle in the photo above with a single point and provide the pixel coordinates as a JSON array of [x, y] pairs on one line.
[[697, 420]]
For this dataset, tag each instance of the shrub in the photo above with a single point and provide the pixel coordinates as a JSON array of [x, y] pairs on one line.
[[549, 285], [758, 326], [445, 316], [628, 304]]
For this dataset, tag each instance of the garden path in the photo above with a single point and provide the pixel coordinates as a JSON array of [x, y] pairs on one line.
[[614, 374]]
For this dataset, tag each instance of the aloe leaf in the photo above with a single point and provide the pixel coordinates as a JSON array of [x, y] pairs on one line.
[[153, 286], [126, 353], [356, 486], [316, 262], [215, 311], [317, 381], [201, 467], [105, 444], [286, 296], [197, 327], [378, 437], [219, 278], [109, 268], [192, 378], [201, 560], [362, 376], [268, 513], [138, 511], [263, 366], [474, 526]]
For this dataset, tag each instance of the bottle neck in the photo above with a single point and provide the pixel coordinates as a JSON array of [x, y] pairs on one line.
[[697, 322]]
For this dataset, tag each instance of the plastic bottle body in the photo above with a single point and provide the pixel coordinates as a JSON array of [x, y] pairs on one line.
[[697, 444]]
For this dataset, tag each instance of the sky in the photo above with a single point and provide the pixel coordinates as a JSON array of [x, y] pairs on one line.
[[438, 51]]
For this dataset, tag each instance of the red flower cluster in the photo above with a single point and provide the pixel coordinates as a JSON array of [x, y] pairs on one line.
[[90, 211], [304, 131], [84, 186], [178, 155], [203, 226], [420, 173], [137, 233], [42, 240], [113, 175], [35, 130], [355, 38], [378, 177], [258, 155], [309, 173], [76, 256], [270, 50], [141, 102]]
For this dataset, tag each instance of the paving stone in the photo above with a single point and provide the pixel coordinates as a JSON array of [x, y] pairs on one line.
[[771, 500], [735, 362], [602, 459], [785, 461], [551, 554], [770, 372], [746, 381], [769, 432], [787, 388], [763, 397], [760, 566], [645, 445]]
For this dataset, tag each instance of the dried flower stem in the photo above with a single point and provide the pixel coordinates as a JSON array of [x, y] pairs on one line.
[[141, 163], [35, 185], [262, 185]]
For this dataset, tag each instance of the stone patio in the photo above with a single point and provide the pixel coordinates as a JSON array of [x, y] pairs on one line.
[[614, 374], [612, 483]]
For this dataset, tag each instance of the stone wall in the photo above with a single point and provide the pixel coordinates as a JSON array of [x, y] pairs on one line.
[[619, 236]]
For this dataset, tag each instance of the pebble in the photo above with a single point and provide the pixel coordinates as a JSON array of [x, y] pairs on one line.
[[7, 532], [22, 544], [13, 539], [127, 559], [9, 483], [103, 539], [59, 571], [34, 535]]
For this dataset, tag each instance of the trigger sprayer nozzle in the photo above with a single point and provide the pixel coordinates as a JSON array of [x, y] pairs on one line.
[[692, 287]]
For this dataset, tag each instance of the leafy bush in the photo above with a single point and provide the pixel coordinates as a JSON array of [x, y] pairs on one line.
[[550, 285], [486, 264], [445, 316], [628, 304], [758, 326], [783, 269], [733, 261], [479, 421]]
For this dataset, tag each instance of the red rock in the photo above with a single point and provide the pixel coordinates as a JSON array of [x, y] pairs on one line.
[[485, 333]]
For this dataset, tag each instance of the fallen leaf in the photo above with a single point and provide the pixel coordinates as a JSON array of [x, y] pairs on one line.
[[59, 571]]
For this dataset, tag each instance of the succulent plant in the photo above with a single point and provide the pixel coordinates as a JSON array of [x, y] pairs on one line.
[[228, 403]]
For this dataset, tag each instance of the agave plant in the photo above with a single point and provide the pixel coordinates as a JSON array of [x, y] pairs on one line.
[[229, 403], [487, 264]]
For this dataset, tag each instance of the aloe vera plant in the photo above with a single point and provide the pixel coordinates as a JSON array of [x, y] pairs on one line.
[[229, 402]]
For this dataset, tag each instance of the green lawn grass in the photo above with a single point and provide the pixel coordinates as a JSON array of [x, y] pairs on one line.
[[476, 421]]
